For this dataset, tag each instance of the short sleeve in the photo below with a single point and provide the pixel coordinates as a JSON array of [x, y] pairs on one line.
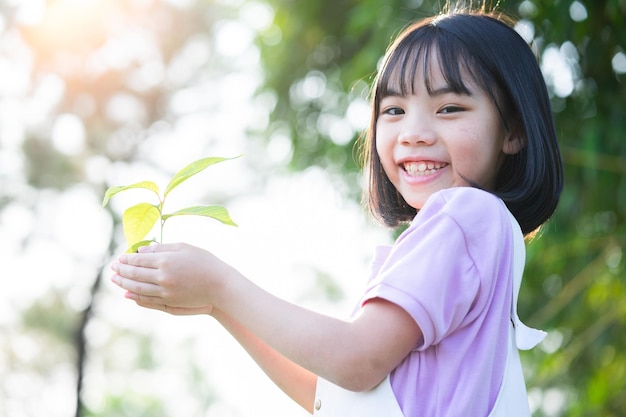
[[441, 269]]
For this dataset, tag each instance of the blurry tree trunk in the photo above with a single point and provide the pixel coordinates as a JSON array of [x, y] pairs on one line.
[[80, 339]]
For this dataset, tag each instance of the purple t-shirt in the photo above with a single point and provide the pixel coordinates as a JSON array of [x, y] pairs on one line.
[[451, 270]]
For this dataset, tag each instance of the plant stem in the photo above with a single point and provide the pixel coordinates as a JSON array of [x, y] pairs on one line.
[[161, 202]]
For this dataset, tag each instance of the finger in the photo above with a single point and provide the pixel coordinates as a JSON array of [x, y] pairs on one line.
[[152, 306], [149, 256], [147, 300], [176, 311], [144, 260], [155, 303], [139, 288], [135, 273], [165, 247]]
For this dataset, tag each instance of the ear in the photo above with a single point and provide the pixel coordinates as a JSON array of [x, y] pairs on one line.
[[513, 142]]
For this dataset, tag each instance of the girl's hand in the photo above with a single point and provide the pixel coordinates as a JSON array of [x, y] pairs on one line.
[[176, 278]]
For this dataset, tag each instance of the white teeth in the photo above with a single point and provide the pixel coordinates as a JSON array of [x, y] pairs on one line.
[[422, 168]]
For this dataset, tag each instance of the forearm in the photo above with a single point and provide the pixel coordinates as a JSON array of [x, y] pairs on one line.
[[326, 346], [298, 383]]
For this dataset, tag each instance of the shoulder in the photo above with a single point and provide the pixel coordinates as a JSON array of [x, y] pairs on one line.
[[476, 213], [464, 204], [461, 200]]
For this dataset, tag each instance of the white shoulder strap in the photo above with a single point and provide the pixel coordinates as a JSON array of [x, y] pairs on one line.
[[512, 400], [525, 337]]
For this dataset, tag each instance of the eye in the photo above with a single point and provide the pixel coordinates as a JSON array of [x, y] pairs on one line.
[[393, 111], [451, 109]]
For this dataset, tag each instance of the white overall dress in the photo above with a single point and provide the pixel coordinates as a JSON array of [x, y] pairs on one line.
[[512, 401]]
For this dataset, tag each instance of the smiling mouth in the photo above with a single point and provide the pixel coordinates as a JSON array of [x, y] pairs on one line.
[[417, 169]]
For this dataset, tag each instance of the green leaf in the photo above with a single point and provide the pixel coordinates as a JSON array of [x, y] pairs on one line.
[[215, 212], [138, 220], [191, 170], [133, 248], [148, 185]]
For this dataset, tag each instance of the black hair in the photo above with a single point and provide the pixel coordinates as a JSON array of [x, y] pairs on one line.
[[502, 64]]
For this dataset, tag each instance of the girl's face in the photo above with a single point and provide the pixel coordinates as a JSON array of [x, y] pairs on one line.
[[429, 142]]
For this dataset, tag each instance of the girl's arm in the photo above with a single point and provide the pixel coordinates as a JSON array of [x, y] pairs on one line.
[[355, 354], [295, 381]]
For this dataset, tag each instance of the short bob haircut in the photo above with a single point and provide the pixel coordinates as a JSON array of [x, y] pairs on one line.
[[500, 62]]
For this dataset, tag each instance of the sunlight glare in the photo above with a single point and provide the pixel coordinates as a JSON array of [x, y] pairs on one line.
[[68, 134], [552, 342], [526, 29], [16, 225], [314, 85], [578, 11], [149, 75], [95, 168], [560, 68], [358, 114], [188, 60], [75, 223], [72, 25], [124, 49], [30, 12], [338, 129], [534, 399], [258, 16], [232, 38], [125, 108], [619, 63], [554, 401], [280, 149], [48, 93], [527, 9], [16, 63], [12, 130]]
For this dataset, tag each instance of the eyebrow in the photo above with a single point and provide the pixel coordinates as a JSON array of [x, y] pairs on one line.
[[447, 89]]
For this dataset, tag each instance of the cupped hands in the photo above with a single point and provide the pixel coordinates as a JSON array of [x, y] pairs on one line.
[[178, 278]]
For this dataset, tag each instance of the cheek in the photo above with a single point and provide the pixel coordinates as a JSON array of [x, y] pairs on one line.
[[384, 151], [466, 146], [380, 146], [479, 141], [384, 141], [479, 156]]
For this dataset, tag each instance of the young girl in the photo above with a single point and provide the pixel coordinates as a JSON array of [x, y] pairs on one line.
[[461, 145]]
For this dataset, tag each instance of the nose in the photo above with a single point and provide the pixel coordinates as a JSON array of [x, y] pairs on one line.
[[416, 130]]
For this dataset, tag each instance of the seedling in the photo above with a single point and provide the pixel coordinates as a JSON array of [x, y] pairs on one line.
[[140, 219]]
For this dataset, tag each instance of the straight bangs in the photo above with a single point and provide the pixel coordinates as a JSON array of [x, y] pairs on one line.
[[409, 62], [455, 61]]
